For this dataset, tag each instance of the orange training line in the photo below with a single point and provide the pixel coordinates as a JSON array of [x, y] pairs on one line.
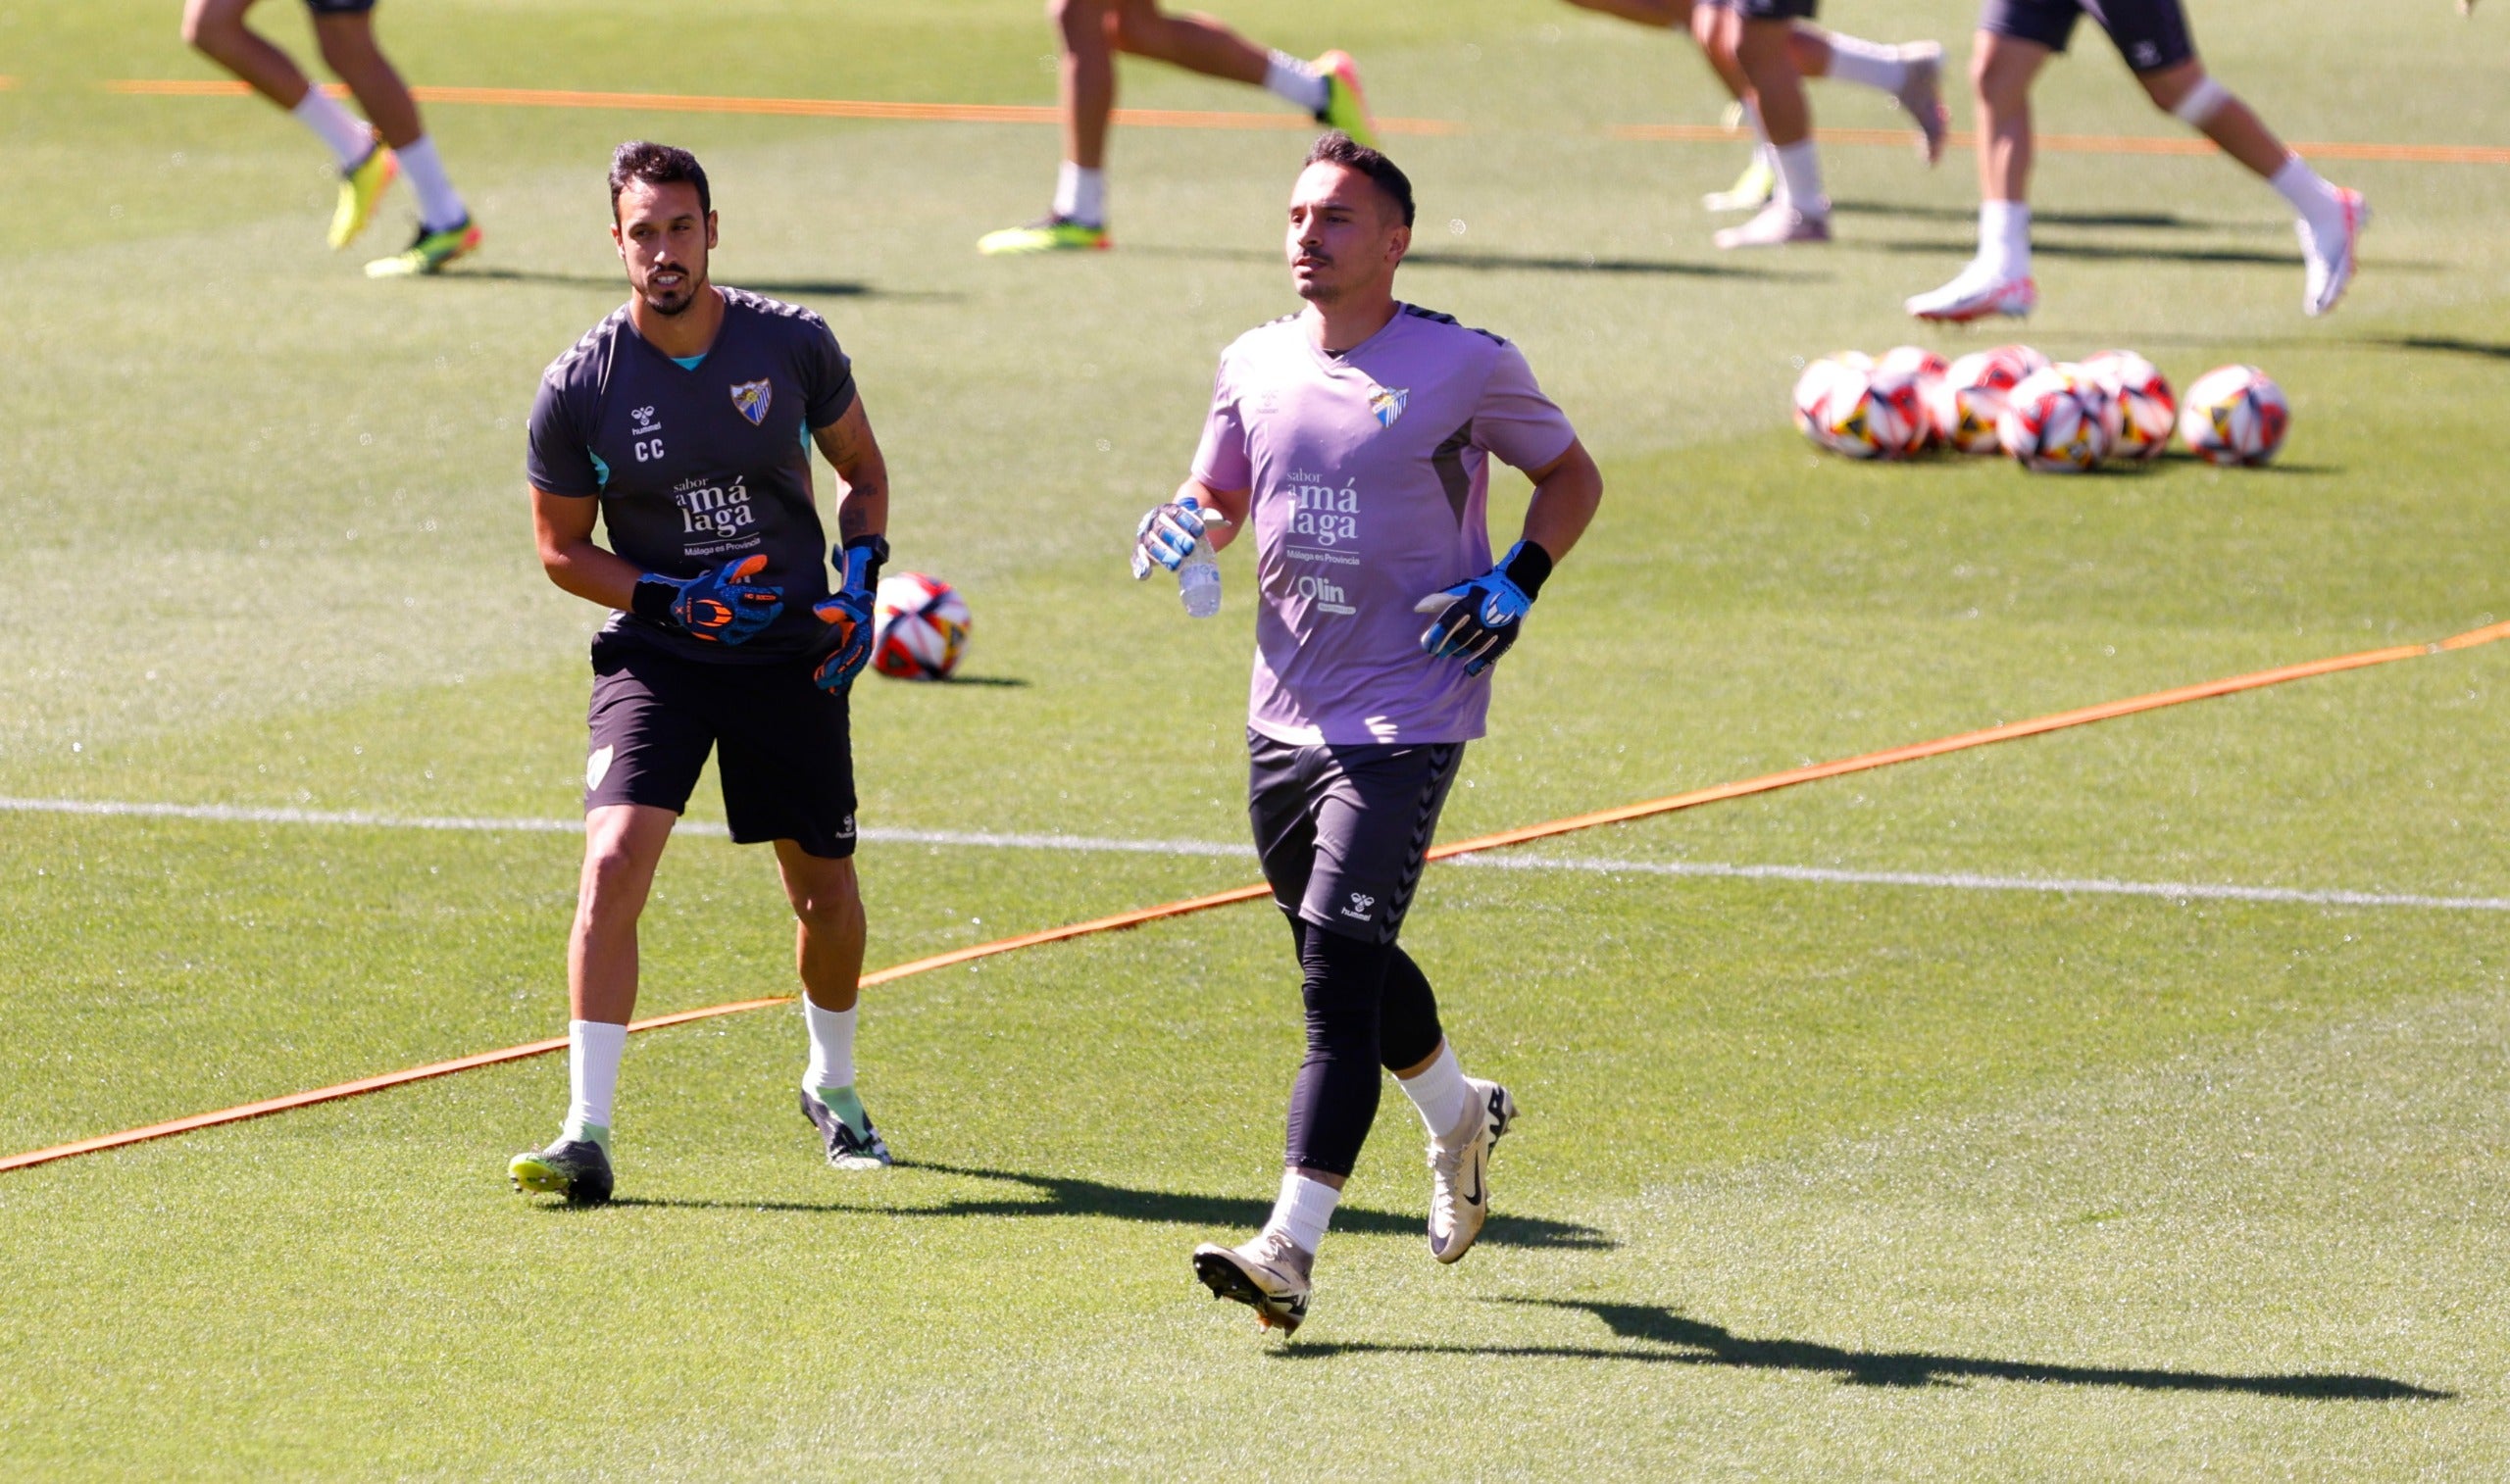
[[2085, 144], [1170, 117], [1767, 783], [795, 108]]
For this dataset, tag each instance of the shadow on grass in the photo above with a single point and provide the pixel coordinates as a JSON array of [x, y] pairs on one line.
[[1511, 262], [2151, 220], [999, 682], [2108, 252], [2427, 345], [1069, 1195], [826, 288], [1692, 1342]]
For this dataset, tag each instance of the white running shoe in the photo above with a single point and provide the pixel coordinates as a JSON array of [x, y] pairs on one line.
[[1976, 293], [1921, 96], [1460, 1172], [1269, 1276], [1776, 225], [2331, 264]]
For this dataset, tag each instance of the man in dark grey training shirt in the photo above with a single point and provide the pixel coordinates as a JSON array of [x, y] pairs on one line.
[[685, 423]]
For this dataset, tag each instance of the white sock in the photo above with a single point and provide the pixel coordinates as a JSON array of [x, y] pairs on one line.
[[2312, 197], [1080, 195], [593, 1074], [1799, 178], [349, 138], [831, 1048], [1439, 1092], [1866, 63], [2004, 238], [1303, 1212], [1288, 78], [438, 206]]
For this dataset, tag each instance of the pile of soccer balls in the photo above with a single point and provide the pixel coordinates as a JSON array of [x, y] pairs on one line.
[[2060, 418]]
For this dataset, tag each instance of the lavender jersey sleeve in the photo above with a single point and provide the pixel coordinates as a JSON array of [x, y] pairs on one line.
[[1514, 420], [1220, 459]]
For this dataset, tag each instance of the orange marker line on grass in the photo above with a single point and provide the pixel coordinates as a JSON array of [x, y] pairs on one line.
[[792, 108], [1767, 783], [2085, 144]]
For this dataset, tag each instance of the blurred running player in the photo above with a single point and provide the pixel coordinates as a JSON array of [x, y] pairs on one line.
[[370, 156], [1090, 33], [1357, 436], [685, 423], [1762, 51], [2016, 38]]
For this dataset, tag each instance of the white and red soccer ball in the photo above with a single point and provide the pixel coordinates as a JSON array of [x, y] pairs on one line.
[[2235, 414], [2147, 409], [2099, 403], [1845, 405], [1922, 372], [919, 628], [1970, 396], [2047, 427]]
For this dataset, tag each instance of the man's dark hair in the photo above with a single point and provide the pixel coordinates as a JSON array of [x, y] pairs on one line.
[[1339, 148], [641, 160]]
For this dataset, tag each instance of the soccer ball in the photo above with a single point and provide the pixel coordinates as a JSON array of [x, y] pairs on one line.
[[2046, 426], [2099, 403], [919, 628], [1922, 372], [2235, 414], [1970, 397], [2147, 409], [1837, 407]]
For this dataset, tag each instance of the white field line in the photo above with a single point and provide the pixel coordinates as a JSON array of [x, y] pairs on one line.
[[1094, 844]]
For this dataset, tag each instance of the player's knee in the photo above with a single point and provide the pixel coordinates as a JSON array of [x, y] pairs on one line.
[[345, 47], [612, 886], [2187, 93], [207, 26], [829, 909]]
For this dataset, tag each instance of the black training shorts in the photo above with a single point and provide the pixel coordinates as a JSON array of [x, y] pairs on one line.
[[1771, 10], [339, 7], [785, 749], [1343, 831], [2151, 34]]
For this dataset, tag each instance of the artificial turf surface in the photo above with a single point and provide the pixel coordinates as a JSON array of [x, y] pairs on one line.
[[1816, 1180]]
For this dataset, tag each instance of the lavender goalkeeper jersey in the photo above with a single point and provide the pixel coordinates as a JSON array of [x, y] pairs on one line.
[[1370, 473]]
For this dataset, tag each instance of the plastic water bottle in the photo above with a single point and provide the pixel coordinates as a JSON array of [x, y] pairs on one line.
[[1198, 580]]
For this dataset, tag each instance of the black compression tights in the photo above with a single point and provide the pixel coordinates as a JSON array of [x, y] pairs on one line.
[[1368, 1006]]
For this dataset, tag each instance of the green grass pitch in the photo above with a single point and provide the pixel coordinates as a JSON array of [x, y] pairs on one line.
[[1818, 1181]]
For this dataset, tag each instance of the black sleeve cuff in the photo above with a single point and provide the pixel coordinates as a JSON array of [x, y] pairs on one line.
[[1530, 568], [652, 601]]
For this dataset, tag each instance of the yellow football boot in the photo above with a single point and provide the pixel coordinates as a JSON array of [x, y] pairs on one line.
[[1046, 234], [1346, 108], [362, 187], [428, 252]]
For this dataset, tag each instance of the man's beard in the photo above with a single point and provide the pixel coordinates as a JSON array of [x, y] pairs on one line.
[[669, 310]]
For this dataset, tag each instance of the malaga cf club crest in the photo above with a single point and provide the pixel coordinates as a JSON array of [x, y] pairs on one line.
[[752, 399], [1386, 404]]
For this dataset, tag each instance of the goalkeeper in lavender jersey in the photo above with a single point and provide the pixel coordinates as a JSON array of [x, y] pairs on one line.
[[684, 423], [1357, 436]]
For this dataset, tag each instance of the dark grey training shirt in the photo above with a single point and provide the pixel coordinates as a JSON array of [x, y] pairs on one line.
[[698, 466]]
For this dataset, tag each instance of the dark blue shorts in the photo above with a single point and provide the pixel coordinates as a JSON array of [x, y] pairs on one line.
[[339, 7], [783, 747], [1771, 10], [1343, 831], [2151, 34]]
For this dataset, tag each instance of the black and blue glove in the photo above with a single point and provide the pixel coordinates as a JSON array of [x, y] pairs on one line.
[[1167, 534], [1477, 620], [848, 610], [722, 607]]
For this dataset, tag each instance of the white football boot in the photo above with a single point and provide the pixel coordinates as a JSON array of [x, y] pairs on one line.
[[1460, 1171], [2331, 263], [1776, 225], [1269, 1276], [1976, 293], [1921, 96]]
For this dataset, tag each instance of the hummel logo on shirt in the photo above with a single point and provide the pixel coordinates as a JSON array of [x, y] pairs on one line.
[[1361, 902]]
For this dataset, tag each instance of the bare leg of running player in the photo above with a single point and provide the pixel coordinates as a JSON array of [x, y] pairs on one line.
[[218, 30], [1998, 281], [1090, 33]]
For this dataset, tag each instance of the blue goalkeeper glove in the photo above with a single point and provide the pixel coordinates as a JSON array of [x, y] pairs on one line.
[[1479, 620], [722, 607], [1167, 535], [848, 610]]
